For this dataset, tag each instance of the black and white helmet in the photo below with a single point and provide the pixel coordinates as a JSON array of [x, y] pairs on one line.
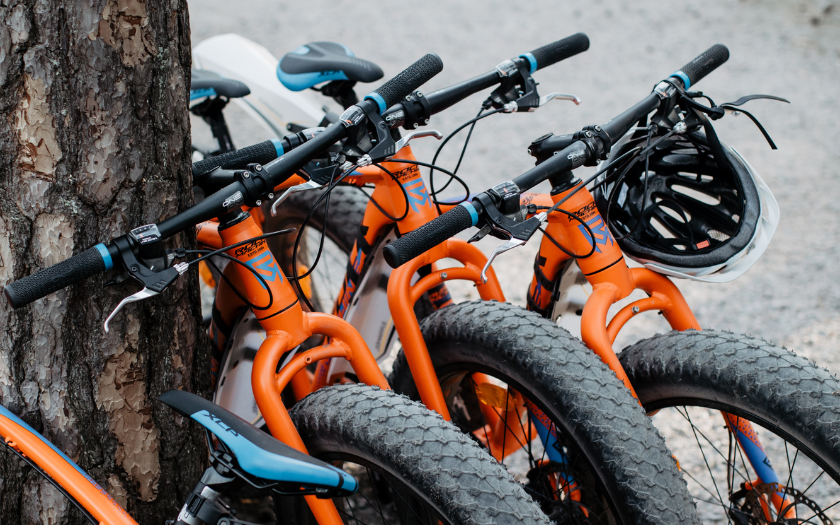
[[689, 217]]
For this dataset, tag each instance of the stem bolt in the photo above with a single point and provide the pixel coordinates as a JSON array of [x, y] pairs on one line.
[[443, 275], [635, 309]]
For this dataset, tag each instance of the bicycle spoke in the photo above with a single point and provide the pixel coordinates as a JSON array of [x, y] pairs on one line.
[[790, 471], [709, 441], [373, 487], [705, 460], [505, 433], [407, 505]]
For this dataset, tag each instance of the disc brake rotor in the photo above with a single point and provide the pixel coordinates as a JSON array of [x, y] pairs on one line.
[[747, 509]]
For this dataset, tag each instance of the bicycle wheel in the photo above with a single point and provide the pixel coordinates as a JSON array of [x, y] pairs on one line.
[[686, 378], [604, 462], [413, 467]]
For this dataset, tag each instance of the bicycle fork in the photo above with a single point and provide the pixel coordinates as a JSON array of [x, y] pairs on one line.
[[612, 281]]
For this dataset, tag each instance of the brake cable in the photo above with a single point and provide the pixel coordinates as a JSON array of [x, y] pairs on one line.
[[472, 122], [378, 207]]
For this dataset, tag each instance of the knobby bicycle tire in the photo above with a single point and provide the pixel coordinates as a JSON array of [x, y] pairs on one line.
[[404, 441], [747, 377], [574, 389]]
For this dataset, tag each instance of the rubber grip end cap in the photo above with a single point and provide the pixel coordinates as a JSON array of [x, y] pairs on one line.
[[10, 296], [390, 255]]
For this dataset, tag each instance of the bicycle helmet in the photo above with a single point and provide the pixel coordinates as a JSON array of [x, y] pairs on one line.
[[689, 217]]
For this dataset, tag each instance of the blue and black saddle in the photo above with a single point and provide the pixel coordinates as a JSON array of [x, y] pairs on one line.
[[317, 62], [205, 83], [257, 453]]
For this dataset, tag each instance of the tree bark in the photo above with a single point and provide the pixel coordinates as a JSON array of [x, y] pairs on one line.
[[95, 141]]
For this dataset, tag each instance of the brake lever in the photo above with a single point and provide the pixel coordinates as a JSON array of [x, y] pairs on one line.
[[308, 185], [403, 142], [743, 100], [145, 293], [559, 96], [511, 244], [516, 239]]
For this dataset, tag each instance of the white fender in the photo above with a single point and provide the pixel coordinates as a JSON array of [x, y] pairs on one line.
[[270, 103]]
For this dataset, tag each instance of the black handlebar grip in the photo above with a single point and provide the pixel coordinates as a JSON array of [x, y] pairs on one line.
[[49, 280], [261, 153], [560, 50], [427, 236], [708, 61], [408, 81]]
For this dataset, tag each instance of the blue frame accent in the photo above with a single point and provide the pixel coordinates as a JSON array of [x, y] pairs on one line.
[[263, 464], [551, 445], [196, 94], [473, 213], [758, 460], [682, 76], [530, 59], [106, 256], [5, 412], [376, 97], [278, 147]]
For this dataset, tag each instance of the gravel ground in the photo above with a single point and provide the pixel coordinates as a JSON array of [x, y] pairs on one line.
[[790, 49]]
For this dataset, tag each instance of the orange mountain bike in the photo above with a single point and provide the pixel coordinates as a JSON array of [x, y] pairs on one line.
[[557, 418], [417, 468], [678, 201], [676, 376]]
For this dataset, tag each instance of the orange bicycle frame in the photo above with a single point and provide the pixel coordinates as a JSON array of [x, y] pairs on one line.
[[286, 326], [611, 282]]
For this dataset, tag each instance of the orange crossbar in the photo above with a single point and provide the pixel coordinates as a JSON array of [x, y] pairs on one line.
[[82, 488]]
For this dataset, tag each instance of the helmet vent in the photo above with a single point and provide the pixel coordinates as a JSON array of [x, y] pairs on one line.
[[705, 198], [661, 228], [676, 215]]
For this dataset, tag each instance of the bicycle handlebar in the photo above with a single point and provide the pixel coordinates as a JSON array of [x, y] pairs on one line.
[[461, 217], [705, 63], [404, 83], [100, 257], [537, 59], [556, 51], [430, 235], [438, 101], [258, 153], [49, 280]]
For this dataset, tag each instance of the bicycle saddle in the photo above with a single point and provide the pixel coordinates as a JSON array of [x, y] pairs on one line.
[[205, 83], [257, 453], [318, 62]]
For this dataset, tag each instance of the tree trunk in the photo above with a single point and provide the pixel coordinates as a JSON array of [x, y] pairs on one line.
[[95, 141]]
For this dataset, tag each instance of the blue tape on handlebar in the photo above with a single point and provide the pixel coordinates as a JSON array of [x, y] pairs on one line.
[[530, 58], [376, 97], [470, 208], [278, 147], [682, 76], [106, 256]]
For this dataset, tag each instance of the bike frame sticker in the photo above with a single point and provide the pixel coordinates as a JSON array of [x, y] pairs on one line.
[[418, 196], [265, 265], [599, 229]]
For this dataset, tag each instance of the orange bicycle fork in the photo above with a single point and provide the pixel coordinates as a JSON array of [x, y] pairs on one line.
[[613, 281], [287, 326]]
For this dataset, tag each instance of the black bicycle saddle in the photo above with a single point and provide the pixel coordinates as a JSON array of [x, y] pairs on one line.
[[205, 83], [318, 62], [257, 453]]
